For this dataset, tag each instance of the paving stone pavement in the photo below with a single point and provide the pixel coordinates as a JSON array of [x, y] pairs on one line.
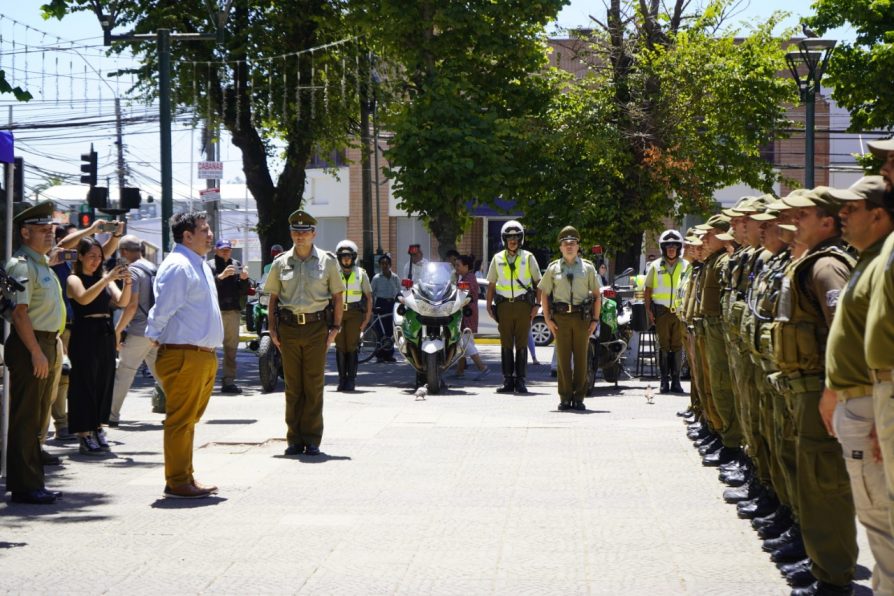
[[471, 492]]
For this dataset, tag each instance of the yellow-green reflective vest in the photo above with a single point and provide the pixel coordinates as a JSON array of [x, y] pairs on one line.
[[666, 284], [511, 284], [353, 291]]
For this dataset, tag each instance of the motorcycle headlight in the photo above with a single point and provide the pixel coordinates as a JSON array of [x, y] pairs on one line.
[[264, 300]]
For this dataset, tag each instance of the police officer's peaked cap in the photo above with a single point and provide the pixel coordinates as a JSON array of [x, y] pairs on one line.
[[715, 222], [725, 236], [762, 202], [868, 188], [821, 196], [39, 214], [882, 147], [569, 233], [302, 221], [693, 240]]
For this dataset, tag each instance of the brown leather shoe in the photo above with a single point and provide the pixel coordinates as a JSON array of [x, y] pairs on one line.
[[209, 488], [186, 491]]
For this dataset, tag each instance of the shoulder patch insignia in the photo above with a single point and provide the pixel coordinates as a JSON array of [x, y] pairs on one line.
[[832, 298]]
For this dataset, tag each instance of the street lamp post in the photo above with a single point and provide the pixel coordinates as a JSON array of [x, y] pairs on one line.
[[163, 38], [807, 66]]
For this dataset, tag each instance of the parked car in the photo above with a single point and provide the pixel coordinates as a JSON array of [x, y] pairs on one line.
[[487, 327]]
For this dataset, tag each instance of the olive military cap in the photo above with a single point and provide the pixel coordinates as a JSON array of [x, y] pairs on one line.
[[743, 207], [882, 147], [39, 214], [766, 215], [715, 222], [868, 188], [569, 233], [821, 196], [302, 221], [693, 240]]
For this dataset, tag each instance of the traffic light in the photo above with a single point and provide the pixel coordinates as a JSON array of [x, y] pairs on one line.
[[88, 168], [85, 220], [18, 182], [130, 198]]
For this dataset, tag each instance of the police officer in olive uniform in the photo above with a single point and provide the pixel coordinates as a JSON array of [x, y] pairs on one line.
[[571, 309], [301, 283], [804, 311], [357, 313], [847, 405], [663, 280], [879, 342], [33, 353], [513, 275]]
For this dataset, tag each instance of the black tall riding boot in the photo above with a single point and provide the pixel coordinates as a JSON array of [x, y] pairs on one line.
[[340, 363], [521, 364], [665, 375], [350, 370], [506, 358], [674, 361]]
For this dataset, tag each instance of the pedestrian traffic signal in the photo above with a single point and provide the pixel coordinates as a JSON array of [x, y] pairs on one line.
[[85, 220], [88, 168]]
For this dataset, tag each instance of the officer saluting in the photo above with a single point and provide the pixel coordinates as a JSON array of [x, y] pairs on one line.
[[301, 283], [33, 353], [513, 275], [572, 313]]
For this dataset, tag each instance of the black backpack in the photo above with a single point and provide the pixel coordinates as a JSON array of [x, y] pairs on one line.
[[149, 273]]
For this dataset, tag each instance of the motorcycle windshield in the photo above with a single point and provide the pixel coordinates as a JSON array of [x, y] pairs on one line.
[[435, 283]]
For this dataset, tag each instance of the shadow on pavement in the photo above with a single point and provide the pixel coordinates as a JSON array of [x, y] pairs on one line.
[[166, 503], [138, 426], [129, 462], [69, 504], [12, 544], [315, 459], [231, 421]]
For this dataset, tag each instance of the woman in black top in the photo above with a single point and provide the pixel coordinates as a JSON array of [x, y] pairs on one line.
[[92, 345]]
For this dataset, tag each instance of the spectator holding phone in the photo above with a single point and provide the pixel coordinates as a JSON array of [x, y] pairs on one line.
[[232, 283], [93, 293]]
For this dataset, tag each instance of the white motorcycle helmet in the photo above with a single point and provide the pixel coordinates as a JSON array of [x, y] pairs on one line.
[[346, 248], [670, 238], [513, 228]]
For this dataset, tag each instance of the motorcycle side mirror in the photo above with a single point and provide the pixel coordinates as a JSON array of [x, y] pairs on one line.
[[407, 283], [626, 272], [464, 286]]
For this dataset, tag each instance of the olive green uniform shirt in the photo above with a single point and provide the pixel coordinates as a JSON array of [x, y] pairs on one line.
[[304, 286], [555, 281], [879, 341], [711, 284], [42, 293], [845, 362]]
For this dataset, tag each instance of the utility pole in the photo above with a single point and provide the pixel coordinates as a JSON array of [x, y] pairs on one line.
[[212, 153], [7, 254], [163, 38], [119, 141], [366, 164]]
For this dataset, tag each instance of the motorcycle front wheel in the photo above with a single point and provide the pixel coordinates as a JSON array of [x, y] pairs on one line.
[[268, 368], [432, 374]]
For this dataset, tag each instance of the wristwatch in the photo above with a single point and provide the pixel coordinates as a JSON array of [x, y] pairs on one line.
[[335, 328]]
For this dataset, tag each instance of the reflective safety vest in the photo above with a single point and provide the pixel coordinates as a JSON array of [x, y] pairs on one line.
[[666, 285], [353, 289], [516, 280]]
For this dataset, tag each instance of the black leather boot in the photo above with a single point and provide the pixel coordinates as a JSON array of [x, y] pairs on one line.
[[665, 375], [350, 370], [521, 365], [507, 360], [340, 364], [673, 364]]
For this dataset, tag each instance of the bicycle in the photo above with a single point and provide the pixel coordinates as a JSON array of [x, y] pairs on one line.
[[374, 338]]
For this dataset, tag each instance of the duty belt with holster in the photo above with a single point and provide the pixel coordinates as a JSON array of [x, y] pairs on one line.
[[359, 305], [530, 297], [659, 309], [290, 318], [584, 310], [788, 384]]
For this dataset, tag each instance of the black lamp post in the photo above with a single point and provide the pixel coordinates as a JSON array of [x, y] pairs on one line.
[[807, 66]]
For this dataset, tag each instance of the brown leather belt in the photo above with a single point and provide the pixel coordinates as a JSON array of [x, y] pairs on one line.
[[564, 308], [290, 318], [881, 376], [852, 392], [189, 347]]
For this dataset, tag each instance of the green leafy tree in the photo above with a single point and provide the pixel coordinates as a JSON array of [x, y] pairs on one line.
[[19, 93], [672, 108], [469, 84], [860, 71], [279, 107]]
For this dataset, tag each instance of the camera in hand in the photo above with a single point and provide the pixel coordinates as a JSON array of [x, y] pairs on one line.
[[68, 256], [108, 226]]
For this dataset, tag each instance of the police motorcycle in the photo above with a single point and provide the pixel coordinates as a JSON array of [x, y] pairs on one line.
[[608, 344], [428, 324], [8, 287], [269, 357]]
